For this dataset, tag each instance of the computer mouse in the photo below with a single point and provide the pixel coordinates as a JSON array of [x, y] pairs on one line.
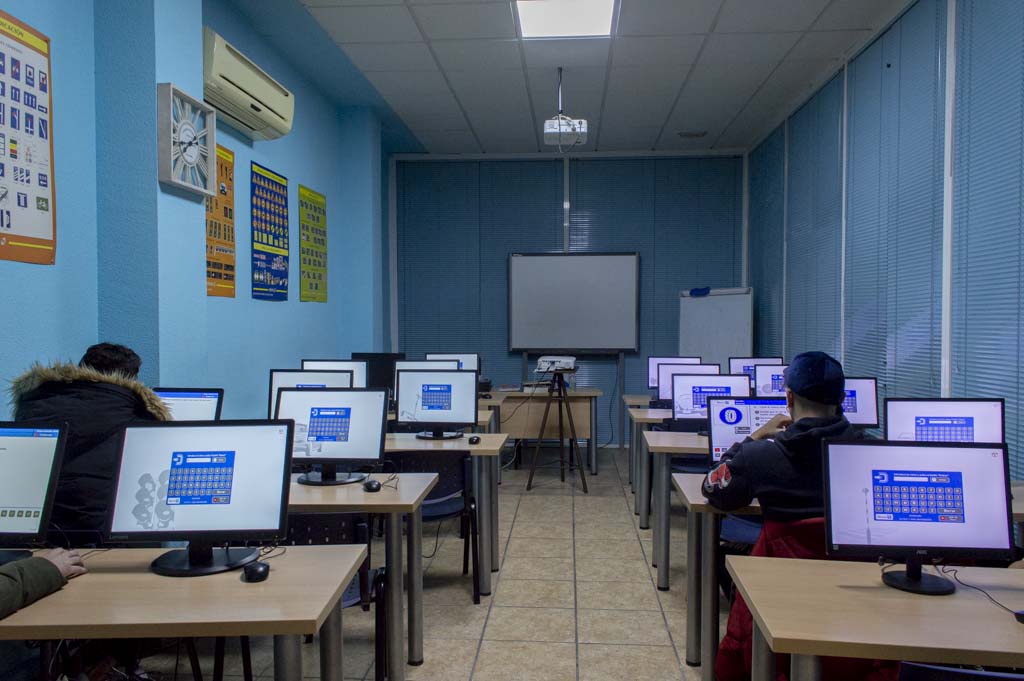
[[256, 572], [486, 396], [371, 486], [475, 440]]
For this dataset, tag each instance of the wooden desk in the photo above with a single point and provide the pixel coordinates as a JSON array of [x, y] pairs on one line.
[[702, 537], [484, 417], [639, 462], [812, 608], [485, 457], [394, 503], [636, 400], [522, 413], [121, 598]]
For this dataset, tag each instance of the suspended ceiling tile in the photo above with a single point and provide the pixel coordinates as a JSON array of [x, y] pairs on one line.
[[666, 17], [466, 21], [344, 3], [569, 52], [494, 95], [677, 51], [627, 138], [830, 45], [854, 14], [750, 16], [414, 108], [582, 90], [640, 96], [448, 141], [466, 55], [376, 24], [714, 94], [391, 56], [409, 83], [744, 48]]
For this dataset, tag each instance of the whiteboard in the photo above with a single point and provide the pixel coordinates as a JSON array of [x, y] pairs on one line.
[[717, 326], [561, 302]]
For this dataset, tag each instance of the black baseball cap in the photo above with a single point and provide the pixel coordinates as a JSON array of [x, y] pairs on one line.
[[818, 377]]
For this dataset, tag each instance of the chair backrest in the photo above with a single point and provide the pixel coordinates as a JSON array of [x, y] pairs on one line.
[[912, 671], [452, 470]]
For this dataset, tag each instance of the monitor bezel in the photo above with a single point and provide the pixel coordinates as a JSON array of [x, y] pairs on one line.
[[420, 361], [707, 415], [208, 536], [700, 360], [366, 368], [878, 416], [14, 539], [782, 361], [921, 552], [1000, 400], [271, 395], [783, 387], [711, 444], [670, 364], [426, 425], [479, 360], [328, 460], [219, 391]]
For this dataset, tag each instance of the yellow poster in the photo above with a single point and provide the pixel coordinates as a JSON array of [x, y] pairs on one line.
[[220, 229], [313, 242]]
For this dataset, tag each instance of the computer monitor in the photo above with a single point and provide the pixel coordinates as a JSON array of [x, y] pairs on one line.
[[665, 372], [437, 399], [192, 404], [357, 367], [335, 427], [413, 364], [298, 378], [732, 419], [861, 403], [690, 392], [205, 483], [745, 365], [944, 420], [468, 361], [914, 501], [653, 362], [770, 380], [380, 368], [30, 458]]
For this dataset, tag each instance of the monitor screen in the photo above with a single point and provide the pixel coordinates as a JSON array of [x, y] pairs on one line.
[[380, 368], [653, 362], [468, 361], [412, 364], [690, 392], [29, 459], [731, 420], [908, 496], [295, 378], [229, 477], [941, 420], [665, 372], [192, 404], [769, 380], [335, 424], [447, 397], [745, 365], [357, 367], [861, 404]]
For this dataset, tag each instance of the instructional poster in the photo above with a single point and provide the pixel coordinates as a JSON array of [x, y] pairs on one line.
[[269, 234], [313, 242], [28, 224], [220, 229]]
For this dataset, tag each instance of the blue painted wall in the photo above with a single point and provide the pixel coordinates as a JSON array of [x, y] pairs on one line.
[[50, 312]]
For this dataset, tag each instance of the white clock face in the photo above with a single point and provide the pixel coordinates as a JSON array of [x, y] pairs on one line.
[[189, 151]]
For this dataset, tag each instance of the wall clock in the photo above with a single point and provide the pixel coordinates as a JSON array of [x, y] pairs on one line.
[[186, 128]]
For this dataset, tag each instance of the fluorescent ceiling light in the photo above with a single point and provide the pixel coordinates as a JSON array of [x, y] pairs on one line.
[[565, 18]]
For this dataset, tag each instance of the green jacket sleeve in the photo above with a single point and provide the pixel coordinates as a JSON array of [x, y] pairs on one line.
[[26, 581]]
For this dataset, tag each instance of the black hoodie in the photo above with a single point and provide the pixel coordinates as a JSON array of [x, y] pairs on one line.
[[784, 474]]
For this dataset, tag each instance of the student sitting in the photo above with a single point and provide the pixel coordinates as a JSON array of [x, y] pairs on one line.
[[97, 399], [23, 582]]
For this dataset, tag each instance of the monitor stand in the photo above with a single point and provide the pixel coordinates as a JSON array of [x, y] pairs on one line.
[[11, 555], [917, 582], [328, 475], [439, 435], [202, 559]]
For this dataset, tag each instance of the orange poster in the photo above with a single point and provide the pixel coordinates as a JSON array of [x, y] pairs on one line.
[[220, 229]]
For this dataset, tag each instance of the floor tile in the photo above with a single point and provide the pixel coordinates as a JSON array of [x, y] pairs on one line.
[[615, 662], [521, 547], [537, 568], [554, 625], [611, 570], [622, 627], [517, 661], [616, 596], [453, 621], [535, 593], [451, 660]]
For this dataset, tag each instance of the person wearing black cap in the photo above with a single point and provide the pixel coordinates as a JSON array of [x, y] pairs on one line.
[[780, 463]]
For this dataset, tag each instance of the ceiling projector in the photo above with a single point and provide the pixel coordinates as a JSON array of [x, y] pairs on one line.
[[564, 131]]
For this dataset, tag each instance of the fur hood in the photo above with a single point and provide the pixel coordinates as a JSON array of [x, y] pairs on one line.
[[64, 372]]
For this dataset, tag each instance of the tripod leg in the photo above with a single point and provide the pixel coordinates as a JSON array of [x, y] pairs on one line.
[[540, 441], [576, 442], [561, 442]]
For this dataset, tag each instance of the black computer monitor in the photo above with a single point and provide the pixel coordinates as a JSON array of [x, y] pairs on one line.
[[30, 458], [411, 364], [957, 419], [654, 361], [357, 367], [770, 380], [733, 419], [335, 428], [437, 400], [208, 483], [380, 368], [192, 404], [666, 371], [690, 393], [468, 361], [745, 365], [915, 501], [301, 378]]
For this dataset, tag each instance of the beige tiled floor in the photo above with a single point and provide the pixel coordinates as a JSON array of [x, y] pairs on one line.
[[574, 601]]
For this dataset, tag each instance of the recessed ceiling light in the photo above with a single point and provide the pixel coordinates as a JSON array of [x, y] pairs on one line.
[[692, 134], [565, 18]]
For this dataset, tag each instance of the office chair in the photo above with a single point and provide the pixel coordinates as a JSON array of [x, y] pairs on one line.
[[913, 671]]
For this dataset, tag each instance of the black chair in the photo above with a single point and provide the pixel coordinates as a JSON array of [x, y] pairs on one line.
[[912, 671]]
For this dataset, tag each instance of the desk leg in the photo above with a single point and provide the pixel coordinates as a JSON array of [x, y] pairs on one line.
[[494, 470], [693, 528], [393, 565], [631, 441], [655, 510], [414, 545], [592, 445], [645, 483], [287, 658], [763, 668], [331, 657], [496, 425], [635, 463], [482, 489], [663, 495], [804, 668], [709, 596]]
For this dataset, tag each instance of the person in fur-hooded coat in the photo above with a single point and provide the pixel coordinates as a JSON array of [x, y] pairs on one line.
[[96, 399]]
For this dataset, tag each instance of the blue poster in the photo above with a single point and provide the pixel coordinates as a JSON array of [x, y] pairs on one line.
[[269, 201]]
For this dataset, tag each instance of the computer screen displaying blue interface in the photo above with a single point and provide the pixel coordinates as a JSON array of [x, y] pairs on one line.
[[949, 420], [26, 459], [918, 496], [731, 420], [327, 424], [446, 396], [437, 396], [653, 362], [311, 385], [200, 478], [666, 371], [770, 380], [691, 392], [467, 361], [746, 365]]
